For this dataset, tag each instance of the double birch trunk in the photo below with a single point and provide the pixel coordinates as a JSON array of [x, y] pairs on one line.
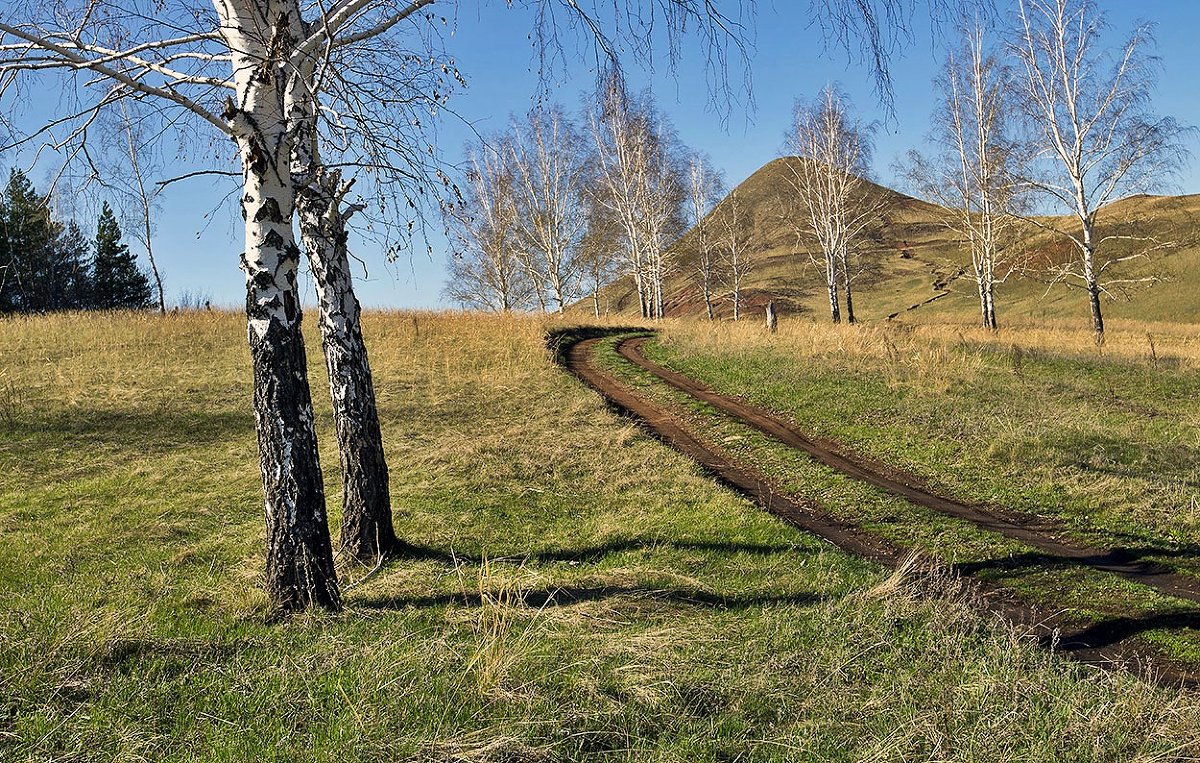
[[300, 570], [831, 204], [987, 301]]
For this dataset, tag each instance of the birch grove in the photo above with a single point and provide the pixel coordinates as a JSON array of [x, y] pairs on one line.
[[1089, 113], [486, 270], [830, 203], [642, 188], [549, 174], [303, 96]]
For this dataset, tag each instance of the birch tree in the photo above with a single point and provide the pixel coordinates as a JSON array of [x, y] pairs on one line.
[[619, 141], [973, 174], [1089, 111], [143, 194], [599, 248], [486, 271], [637, 163], [369, 120], [664, 200], [348, 79], [736, 242], [705, 189], [830, 202], [231, 68], [549, 174]]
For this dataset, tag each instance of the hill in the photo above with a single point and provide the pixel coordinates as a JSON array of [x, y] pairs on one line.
[[917, 270]]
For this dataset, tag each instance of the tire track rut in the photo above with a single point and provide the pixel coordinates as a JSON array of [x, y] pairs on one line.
[[1104, 644], [1028, 530]]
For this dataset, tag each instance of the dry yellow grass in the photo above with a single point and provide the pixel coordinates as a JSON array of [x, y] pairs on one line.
[[1164, 343]]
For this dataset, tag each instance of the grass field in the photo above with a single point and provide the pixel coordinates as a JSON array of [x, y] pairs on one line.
[[1102, 442], [578, 591]]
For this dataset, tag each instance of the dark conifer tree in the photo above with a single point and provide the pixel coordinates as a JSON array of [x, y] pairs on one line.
[[70, 285], [117, 283], [27, 238]]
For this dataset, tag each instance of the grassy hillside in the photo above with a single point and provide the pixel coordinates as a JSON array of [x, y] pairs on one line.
[[577, 590], [917, 271]]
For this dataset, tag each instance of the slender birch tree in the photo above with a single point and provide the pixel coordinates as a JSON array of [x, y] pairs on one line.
[[973, 175], [599, 248], [665, 218], [143, 194], [830, 203], [372, 130], [705, 189], [736, 242], [1088, 109]]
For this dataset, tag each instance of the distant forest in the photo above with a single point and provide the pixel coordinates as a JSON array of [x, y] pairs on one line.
[[47, 264]]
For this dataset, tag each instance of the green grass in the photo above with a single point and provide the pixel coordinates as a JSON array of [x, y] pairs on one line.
[[1106, 448], [582, 592]]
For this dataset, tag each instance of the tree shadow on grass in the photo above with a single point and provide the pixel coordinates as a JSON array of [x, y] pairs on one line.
[[127, 654], [1110, 631], [593, 554], [562, 596], [568, 595], [1124, 555]]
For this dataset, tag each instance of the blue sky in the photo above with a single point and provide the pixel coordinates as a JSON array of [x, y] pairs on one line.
[[492, 47]]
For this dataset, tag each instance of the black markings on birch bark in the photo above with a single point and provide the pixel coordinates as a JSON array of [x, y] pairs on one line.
[[299, 564], [300, 571], [367, 532]]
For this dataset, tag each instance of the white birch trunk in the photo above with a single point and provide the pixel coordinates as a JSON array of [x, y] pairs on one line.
[[367, 533], [299, 569]]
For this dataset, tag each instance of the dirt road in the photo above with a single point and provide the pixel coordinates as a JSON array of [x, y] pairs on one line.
[[1104, 643]]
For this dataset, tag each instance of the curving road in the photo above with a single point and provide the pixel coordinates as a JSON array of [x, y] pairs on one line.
[[1102, 644]]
